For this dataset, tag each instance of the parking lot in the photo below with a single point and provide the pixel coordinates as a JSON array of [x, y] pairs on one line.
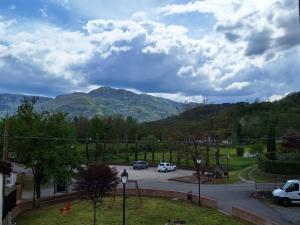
[[152, 174]]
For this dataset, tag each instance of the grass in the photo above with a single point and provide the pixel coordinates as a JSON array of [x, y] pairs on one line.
[[255, 174], [155, 211]]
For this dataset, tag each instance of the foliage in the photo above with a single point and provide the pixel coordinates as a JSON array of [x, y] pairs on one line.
[[292, 142], [256, 148], [271, 140], [238, 121], [93, 182], [48, 159], [270, 163], [240, 151], [2, 125]]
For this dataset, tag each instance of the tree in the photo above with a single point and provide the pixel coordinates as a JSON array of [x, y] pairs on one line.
[[93, 182], [256, 148], [33, 140], [238, 131], [81, 124], [271, 140], [132, 128]]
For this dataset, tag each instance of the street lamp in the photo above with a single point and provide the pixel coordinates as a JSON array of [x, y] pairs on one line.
[[227, 162], [198, 163], [124, 179]]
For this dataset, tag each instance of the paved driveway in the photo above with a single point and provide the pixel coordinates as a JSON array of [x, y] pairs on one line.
[[152, 174]]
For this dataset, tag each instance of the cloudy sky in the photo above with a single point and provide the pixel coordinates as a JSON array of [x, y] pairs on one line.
[[220, 50]]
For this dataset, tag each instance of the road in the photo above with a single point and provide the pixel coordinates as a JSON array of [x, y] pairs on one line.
[[227, 195]]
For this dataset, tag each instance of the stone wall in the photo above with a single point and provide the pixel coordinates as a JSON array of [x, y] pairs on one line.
[[251, 217]]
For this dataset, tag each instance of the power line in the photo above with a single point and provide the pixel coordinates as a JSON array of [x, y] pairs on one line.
[[197, 140]]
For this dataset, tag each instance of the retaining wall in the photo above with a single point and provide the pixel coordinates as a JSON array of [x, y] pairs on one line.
[[205, 201], [251, 217]]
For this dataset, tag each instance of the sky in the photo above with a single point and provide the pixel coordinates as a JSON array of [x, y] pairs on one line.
[[217, 50]]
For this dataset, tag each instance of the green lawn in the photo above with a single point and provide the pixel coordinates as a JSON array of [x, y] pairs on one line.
[[154, 211]]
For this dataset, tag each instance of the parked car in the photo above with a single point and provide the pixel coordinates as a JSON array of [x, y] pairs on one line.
[[138, 165], [288, 193], [165, 167]]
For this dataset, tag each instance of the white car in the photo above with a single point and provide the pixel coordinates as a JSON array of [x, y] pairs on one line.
[[288, 193], [165, 167]]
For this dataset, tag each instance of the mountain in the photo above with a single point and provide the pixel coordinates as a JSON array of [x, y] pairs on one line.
[[10, 102], [253, 120], [104, 101]]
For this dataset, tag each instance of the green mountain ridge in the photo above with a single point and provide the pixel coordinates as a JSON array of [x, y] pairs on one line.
[[104, 101], [223, 120]]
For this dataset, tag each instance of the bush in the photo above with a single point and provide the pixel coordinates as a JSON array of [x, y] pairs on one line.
[[256, 148], [240, 151], [269, 163]]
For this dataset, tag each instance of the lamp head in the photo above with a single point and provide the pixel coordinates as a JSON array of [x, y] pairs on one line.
[[124, 177]]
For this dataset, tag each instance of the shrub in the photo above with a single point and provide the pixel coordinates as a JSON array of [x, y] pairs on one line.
[[240, 151], [257, 148], [269, 163]]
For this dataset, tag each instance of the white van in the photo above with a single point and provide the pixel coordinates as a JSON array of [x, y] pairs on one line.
[[288, 193]]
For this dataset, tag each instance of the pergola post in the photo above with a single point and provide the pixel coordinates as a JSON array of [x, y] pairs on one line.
[[136, 151]]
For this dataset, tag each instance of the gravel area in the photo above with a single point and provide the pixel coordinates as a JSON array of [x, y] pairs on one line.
[[152, 174]]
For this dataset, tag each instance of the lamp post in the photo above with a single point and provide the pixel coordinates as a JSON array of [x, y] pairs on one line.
[[227, 162], [124, 179], [198, 163]]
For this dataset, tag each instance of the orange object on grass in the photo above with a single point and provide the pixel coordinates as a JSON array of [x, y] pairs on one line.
[[66, 209]]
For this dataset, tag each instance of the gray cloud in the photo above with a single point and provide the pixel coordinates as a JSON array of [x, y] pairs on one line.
[[18, 76], [258, 42]]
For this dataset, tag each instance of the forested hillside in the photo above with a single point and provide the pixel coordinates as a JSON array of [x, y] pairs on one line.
[[103, 102], [238, 121]]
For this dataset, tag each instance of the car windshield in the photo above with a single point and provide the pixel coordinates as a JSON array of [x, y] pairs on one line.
[[162, 164], [286, 185]]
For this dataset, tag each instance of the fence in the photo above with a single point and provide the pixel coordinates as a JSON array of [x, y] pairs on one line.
[[9, 202]]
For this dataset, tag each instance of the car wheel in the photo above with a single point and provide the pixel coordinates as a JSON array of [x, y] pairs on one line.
[[276, 199], [286, 202]]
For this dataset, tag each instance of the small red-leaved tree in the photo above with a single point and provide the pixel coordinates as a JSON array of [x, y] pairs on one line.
[[93, 182]]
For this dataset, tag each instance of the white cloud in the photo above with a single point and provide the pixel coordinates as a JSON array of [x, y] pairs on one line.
[[222, 10], [186, 71], [43, 11], [274, 98], [12, 7], [237, 86], [179, 97], [237, 58]]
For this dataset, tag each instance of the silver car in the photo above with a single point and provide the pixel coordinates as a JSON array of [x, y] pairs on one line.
[[139, 165]]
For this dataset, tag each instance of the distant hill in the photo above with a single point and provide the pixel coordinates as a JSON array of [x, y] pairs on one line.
[[104, 101], [10, 102], [222, 120]]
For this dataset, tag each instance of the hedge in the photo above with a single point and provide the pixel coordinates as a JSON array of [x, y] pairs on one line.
[[267, 162]]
